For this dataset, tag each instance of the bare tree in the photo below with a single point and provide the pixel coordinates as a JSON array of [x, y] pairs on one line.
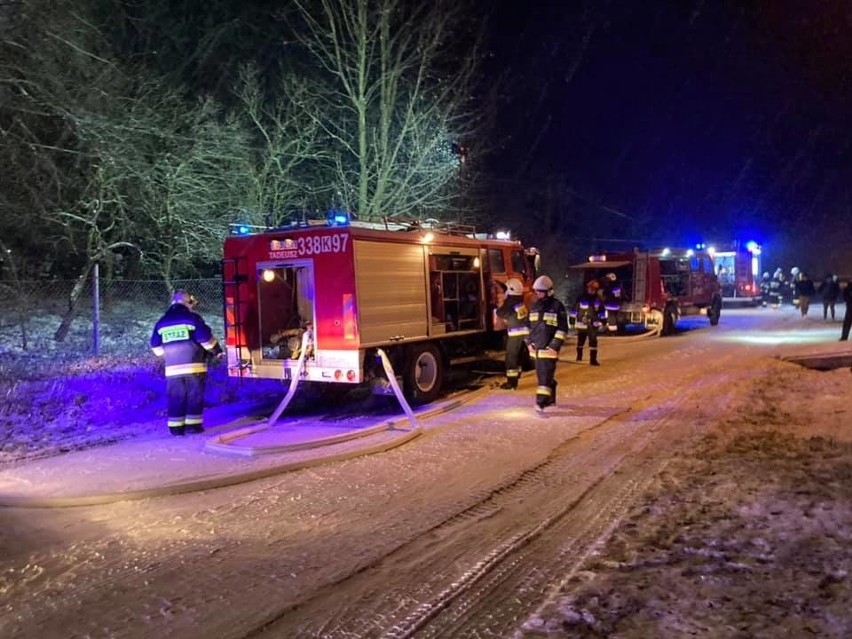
[[176, 171], [12, 287], [286, 147], [391, 97], [99, 246]]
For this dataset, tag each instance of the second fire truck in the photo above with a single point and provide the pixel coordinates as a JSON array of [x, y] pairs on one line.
[[654, 288]]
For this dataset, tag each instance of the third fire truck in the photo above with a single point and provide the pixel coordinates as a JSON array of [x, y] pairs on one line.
[[423, 294], [654, 288], [738, 266]]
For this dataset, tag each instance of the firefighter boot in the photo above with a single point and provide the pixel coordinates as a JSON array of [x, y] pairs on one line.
[[511, 383], [177, 431], [552, 399], [593, 357], [579, 354]]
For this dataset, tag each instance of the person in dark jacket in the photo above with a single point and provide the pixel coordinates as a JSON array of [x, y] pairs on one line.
[[548, 323], [804, 290], [829, 290], [184, 340], [590, 314], [846, 291], [514, 313]]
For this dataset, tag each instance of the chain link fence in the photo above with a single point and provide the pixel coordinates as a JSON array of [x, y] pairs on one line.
[[109, 317]]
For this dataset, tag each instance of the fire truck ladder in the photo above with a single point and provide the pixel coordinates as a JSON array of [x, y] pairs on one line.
[[234, 309], [640, 276]]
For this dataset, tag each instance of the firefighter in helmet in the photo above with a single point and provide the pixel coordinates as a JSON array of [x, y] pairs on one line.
[[790, 294], [514, 313], [590, 314], [548, 323], [765, 288], [184, 340], [777, 286]]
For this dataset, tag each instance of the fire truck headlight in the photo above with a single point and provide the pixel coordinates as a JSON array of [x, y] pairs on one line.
[[267, 275]]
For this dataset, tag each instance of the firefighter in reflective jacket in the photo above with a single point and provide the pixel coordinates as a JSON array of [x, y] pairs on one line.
[[590, 315], [548, 328], [184, 340], [514, 313]]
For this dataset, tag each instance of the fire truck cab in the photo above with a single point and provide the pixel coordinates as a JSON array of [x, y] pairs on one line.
[[654, 288], [424, 294]]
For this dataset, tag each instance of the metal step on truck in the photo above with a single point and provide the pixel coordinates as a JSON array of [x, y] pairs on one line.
[[322, 300]]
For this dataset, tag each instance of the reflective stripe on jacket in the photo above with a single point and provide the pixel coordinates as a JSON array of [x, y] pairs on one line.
[[548, 323], [589, 310], [183, 338], [514, 312]]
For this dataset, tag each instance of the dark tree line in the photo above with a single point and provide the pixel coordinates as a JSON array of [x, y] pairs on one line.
[[132, 133]]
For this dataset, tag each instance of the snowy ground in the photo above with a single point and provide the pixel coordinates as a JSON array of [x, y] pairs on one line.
[[746, 534], [55, 399]]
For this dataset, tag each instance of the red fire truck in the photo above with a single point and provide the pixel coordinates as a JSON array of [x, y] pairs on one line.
[[654, 288], [738, 266], [424, 293]]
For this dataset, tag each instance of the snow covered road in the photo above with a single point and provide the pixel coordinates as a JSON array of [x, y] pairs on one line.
[[468, 530]]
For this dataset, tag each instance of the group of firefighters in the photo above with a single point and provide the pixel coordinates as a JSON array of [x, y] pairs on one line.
[[185, 342], [799, 290], [543, 328]]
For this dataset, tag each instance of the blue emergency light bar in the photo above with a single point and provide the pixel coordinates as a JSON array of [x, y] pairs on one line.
[[338, 218], [240, 228]]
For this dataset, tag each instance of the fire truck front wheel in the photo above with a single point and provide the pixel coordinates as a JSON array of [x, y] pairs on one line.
[[715, 311], [669, 321], [424, 373]]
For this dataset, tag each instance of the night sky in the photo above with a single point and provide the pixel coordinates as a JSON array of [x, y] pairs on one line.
[[685, 120]]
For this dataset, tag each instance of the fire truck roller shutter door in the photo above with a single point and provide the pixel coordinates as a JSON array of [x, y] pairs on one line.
[[388, 311]]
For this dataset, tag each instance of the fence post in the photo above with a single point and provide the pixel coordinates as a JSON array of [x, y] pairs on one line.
[[96, 309]]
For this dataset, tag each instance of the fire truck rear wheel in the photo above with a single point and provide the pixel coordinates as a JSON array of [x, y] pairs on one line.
[[424, 373], [669, 321]]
